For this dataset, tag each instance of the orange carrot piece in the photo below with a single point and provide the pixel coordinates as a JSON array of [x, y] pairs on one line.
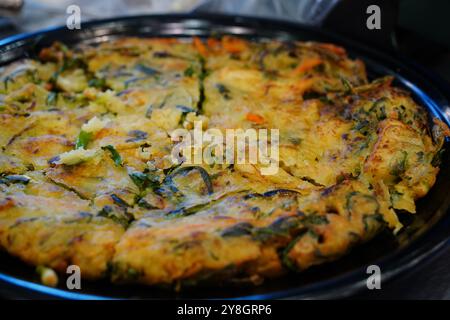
[[233, 45], [256, 118], [303, 85], [201, 48], [212, 43], [333, 48], [307, 64]]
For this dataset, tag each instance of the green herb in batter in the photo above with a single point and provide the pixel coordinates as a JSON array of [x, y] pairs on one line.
[[83, 139], [115, 156]]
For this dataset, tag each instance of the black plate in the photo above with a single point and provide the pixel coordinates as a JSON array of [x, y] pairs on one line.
[[426, 233]]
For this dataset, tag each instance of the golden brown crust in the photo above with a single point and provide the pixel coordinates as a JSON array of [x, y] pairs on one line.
[[86, 177]]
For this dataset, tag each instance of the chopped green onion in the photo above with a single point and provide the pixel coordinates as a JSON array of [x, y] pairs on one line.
[[189, 72], [51, 98], [83, 139], [115, 156]]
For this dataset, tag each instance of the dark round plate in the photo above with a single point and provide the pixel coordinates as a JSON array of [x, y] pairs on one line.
[[425, 234]]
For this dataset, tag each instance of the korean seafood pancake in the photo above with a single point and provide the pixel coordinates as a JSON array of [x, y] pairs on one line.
[[86, 176]]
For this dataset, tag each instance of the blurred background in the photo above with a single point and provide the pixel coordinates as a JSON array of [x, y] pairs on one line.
[[418, 29]]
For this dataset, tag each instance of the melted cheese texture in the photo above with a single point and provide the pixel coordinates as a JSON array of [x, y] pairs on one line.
[[86, 178]]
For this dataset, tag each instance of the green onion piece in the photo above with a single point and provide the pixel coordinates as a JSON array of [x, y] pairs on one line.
[[83, 139], [143, 180], [115, 156], [189, 72], [51, 98]]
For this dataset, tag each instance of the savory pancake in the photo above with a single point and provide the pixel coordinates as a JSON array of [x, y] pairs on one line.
[[87, 178]]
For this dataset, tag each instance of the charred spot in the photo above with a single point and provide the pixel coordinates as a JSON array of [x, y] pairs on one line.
[[238, 230], [20, 221], [53, 160], [327, 191], [282, 227], [271, 193], [316, 219], [136, 135], [162, 54]]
